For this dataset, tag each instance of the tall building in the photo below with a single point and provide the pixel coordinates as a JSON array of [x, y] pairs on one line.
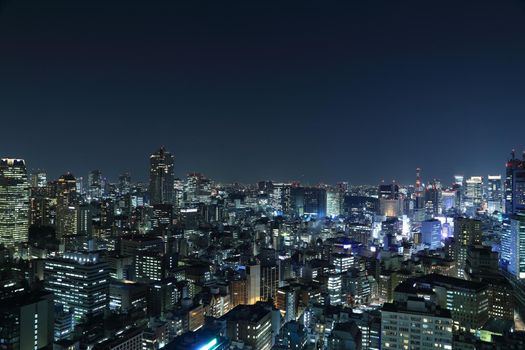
[[14, 202], [334, 199], [253, 284], [431, 233], [517, 245], [96, 184], [473, 194], [308, 201], [67, 205], [515, 185], [26, 321], [494, 193], [78, 281], [39, 179], [514, 204], [161, 177], [251, 324], [466, 232]]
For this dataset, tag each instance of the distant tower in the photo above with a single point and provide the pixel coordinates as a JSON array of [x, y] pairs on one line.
[[14, 202], [67, 205], [419, 187], [161, 178]]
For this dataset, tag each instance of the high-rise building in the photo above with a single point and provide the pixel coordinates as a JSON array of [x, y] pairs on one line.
[[431, 233], [161, 177], [96, 184], [494, 193], [67, 205], [473, 194], [286, 301], [334, 286], [515, 185], [334, 199], [308, 201], [26, 321], [14, 202], [251, 324], [517, 245], [79, 281], [39, 179], [253, 284], [466, 232]]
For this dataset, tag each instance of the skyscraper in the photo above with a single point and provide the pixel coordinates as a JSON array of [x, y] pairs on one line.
[[67, 205], [78, 280], [14, 201], [514, 204], [161, 178], [466, 232], [494, 193], [515, 186]]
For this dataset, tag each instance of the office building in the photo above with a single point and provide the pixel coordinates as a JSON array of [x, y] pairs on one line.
[[415, 323], [14, 202], [250, 324], [161, 177], [26, 321], [466, 232], [431, 233], [78, 281]]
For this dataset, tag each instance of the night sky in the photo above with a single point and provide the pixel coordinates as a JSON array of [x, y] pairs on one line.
[[326, 91]]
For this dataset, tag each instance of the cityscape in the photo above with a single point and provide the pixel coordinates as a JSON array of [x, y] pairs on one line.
[[91, 263], [262, 175]]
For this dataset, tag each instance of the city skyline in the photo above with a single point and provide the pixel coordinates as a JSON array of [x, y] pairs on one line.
[[329, 91], [426, 178]]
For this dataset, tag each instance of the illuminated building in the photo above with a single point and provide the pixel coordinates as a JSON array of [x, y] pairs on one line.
[[515, 185], [124, 296], [334, 286], [342, 262], [390, 200], [308, 201], [14, 202], [467, 301], [517, 245], [286, 301], [79, 281], [67, 203], [96, 184], [26, 321], [269, 280], [415, 323], [466, 232], [448, 200], [253, 284], [238, 292], [161, 177], [473, 194], [39, 179], [63, 322], [334, 200], [494, 193], [251, 324], [431, 233]]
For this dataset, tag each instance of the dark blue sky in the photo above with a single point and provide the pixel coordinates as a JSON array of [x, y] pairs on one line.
[[247, 90]]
